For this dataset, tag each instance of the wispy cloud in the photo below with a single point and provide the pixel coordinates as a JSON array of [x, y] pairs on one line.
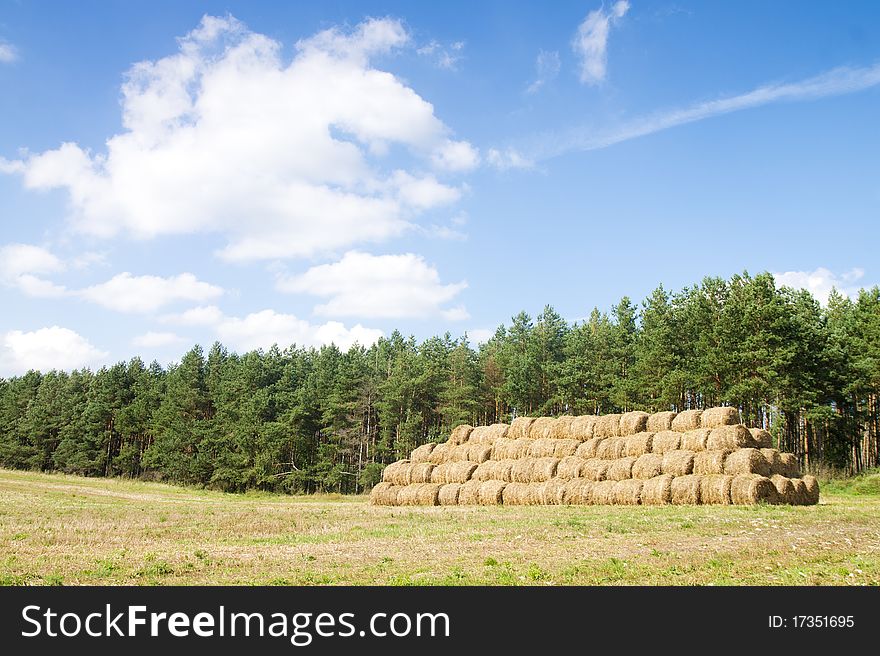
[[836, 82], [8, 53], [590, 43], [547, 68], [444, 56]]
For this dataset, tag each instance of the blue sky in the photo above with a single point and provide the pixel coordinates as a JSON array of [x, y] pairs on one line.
[[174, 173]]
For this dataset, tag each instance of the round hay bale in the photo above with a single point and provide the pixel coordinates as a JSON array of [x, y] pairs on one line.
[[448, 495], [454, 472], [603, 493], [519, 428], [595, 469], [607, 426], [582, 427], [789, 465], [506, 449], [458, 453], [620, 469], [730, 437], [686, 421], [746, 461], [772, 457], [715, 417], [504, 470], [422, 453], [577, 492], [540, 427], [665, 441], [660, 421], [488, 434], [565, 448], [420, 472], [460, 434], [485, 471], [490, 493], [800, 492], [515, 494], [749, 489], [543, 469], [686, 490], [695, 440], [552, 492], [397, 473], [570, 467], [588, 449], [612, 448], [639, 444], [521, 472], [428, 494], [633, 422], [715, 489], [657, 491], [440, 453], [542, 447], [418, 494], [469, 493], [560, 429], [479, 452], [384, 494], [811, 487], [710, 462], [785, 490], [678, 463], [647, 466], [763, 439], [628, 492]]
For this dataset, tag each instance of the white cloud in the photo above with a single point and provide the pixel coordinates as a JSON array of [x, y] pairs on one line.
[[591, 41], [388, 286], [444, 56], [21, 266], [45, 349], [127, 293], [265, 328], [821, 281], [203, 315], [480, 335], [8, 53], [282, 158], [509, 158], [547, 67], [152, 339]]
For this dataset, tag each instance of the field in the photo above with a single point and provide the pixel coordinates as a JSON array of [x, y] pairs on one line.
[[66, 530]]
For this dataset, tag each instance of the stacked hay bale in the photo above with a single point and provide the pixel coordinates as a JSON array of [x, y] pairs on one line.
[[635, 458]]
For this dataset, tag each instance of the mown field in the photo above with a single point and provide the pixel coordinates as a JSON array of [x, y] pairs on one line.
[[66, 530]]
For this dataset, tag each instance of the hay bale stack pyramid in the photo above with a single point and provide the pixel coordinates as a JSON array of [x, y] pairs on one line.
[[692, 457]]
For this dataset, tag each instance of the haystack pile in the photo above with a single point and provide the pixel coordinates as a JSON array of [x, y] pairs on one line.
[[691, 457]]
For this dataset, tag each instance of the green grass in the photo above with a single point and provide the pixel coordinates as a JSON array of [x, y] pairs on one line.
[[64, 530]]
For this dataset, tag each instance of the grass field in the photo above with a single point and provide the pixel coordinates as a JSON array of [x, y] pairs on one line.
[[67, 530]]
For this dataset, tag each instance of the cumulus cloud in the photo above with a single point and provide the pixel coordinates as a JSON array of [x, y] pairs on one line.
[[591, 41], [152, 339], [22, 267], [821, 281], [46, 349], [8, 53], [203, 315], [387, 286], [480, 335], [547, 68], [265, 328], [283, 158], [127, 293]]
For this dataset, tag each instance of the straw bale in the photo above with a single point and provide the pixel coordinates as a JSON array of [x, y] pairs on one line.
[[607, 426], [772, 457], [686, 421], [469, 493], [789, 465], [678, 462], [749, 489], [715, 417], [505, 449], [519, 427], [422, 453], [407, 495], [785, 490], [612, 448], [657, 491], [540, 427], [811, 486], [647, 466], [603, 492], [552, 492], [695, 440], [448, 495], [454, 472], [710, 462], [490, 493], [588, 449], [633, 422], [479, 452], [570, 467], [516, 494], [565, 448], [763, 439], [542, 447], [577, 491], [521, 472], [665, 441], [800, 492], [730, 437], [747, 461], [384, 494], [620, 469], [543, 469], [686, 489], [503, 470], [639, 444], [397, 472], [440, 453], [628, 492], [660, 421], [715, 489], [460, 434], [420, 472], [488, 434], [595, 469], [484, 472], [458, 453], [582, 427], [560, 429], [428, 494]]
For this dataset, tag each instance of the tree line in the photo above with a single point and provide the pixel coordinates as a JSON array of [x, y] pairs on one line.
[[306, 419]]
